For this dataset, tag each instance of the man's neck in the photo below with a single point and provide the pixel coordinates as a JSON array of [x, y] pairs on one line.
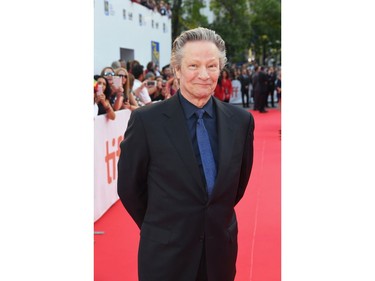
[[195, 101]]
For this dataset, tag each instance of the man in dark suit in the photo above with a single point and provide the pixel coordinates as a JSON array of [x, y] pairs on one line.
[[181, 195], [245, 84], [260, 89], [271, 80]]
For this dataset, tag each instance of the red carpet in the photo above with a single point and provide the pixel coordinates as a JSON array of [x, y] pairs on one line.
[[259, 219], [259, 211]]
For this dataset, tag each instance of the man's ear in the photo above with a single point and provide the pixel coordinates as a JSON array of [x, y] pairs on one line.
[[177, 72]]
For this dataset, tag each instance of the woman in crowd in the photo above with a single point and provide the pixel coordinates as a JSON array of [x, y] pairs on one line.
[[223, 90], [115, 84], [226, 84], [161, 90], [108, 73], [151, 88], [172, 86], [150, 67], [219, 91], [101, 98], [126, 100]]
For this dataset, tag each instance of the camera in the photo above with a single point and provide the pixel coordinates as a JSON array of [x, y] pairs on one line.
[[151, 83], [117, 81], [99, 90]]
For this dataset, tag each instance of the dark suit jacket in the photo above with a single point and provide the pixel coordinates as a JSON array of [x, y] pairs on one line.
[[260, 82], [160, 185]]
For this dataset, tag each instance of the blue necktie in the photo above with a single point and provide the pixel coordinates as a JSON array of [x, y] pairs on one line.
[[205, 150]]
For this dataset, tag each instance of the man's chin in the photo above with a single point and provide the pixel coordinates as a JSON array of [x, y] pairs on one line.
[[204, 95], [205, 91]]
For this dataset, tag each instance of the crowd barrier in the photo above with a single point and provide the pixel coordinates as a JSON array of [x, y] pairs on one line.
[[108, 135]]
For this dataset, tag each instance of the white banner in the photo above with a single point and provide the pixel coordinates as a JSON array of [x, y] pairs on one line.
[[108, 135]]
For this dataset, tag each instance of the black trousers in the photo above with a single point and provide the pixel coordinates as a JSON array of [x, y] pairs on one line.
[[245, 96], [264, 99], [257, 100], [270, 93]]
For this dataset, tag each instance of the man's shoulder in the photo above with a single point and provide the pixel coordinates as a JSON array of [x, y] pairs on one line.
[[136, 83], [235, 110], [238, 116], [154, 108]]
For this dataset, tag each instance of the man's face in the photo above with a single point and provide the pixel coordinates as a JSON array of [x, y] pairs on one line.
[[167, 71], [199, 70]]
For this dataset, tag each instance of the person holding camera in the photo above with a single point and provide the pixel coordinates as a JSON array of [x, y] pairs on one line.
[[140, 89], [114, 82], [101, 98], [126, 100], [161, 90]]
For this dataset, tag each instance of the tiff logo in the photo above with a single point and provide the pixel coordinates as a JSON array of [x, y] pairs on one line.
[[111, 156]]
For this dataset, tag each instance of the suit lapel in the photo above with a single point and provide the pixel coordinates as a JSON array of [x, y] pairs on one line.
[[180, 138]]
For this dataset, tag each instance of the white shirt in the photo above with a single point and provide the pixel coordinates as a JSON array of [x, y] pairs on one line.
[[143, 95], [236, 94]]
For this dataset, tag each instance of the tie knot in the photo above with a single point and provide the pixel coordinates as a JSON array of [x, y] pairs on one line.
[[200, 113]]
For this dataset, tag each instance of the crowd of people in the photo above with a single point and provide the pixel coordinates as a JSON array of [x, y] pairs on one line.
[[257, 85], [129, 85], [158, 6]]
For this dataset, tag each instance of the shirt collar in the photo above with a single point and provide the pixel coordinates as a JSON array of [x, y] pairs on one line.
[[190, 109]]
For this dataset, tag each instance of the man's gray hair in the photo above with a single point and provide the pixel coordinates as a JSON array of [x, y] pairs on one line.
[[116, 64], [197, 34]]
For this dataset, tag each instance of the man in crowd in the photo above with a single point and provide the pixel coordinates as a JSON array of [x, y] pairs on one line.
[[139, 88]]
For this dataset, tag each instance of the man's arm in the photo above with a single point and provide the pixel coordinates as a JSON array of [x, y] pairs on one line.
[[247, 160], [133, 169]]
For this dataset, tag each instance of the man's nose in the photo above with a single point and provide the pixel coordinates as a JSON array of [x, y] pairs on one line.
[[203, 73]]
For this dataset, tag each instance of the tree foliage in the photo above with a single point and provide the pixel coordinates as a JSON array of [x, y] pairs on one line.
[[265, 26], [232, 22], [243, 24], [186, 15], [176, 18]]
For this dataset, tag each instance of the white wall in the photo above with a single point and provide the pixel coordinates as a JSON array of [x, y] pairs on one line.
[[112, 32]]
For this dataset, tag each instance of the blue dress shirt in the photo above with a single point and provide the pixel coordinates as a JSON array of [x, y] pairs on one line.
[[209, 118]]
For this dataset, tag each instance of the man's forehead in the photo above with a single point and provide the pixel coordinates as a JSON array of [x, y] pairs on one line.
[[198, 51]]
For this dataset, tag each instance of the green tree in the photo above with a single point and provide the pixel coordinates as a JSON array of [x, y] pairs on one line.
[[186, 15], [176, 18], [232, 22], [265, 21], [243, 24]]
